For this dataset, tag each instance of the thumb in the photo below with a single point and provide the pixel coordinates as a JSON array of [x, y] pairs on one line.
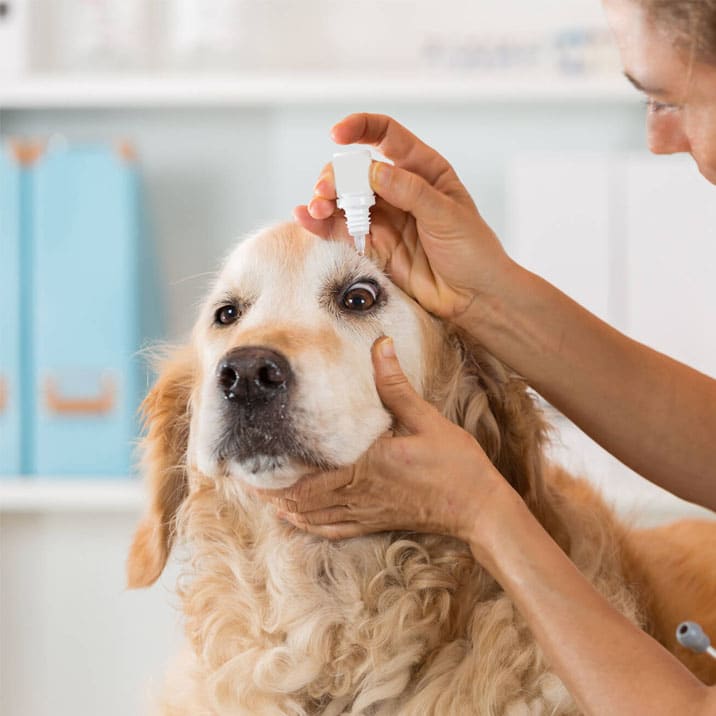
[[410, 192], [398, 396]]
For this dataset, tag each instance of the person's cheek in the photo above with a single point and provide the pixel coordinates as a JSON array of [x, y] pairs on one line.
[[665, 133]]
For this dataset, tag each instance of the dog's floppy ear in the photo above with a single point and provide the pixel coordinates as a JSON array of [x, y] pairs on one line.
[[479, 393], [166, 416]]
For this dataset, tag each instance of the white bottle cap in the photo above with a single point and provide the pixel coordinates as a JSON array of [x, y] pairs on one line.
[[351, 172]]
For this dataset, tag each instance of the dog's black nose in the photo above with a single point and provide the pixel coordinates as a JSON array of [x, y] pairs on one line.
[[253, 374]]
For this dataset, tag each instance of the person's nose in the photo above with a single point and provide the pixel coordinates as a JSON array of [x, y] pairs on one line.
[[666, 133]]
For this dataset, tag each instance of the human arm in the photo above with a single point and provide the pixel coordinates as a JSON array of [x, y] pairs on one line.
[[437, 479], [654, 414], [607, 663], [658, 416]]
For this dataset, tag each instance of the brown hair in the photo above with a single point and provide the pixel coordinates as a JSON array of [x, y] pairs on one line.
[[691, 23]]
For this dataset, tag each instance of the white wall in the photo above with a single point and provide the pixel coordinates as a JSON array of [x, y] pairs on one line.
[[632, 238]]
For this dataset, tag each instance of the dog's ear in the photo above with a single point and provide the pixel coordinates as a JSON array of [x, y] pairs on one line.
[[479, 393], [166, 417]]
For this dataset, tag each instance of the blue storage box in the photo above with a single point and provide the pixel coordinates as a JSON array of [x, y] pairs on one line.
[[85, 304], [10, 324]]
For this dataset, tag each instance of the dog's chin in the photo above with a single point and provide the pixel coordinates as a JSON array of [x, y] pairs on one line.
[[268, 472]]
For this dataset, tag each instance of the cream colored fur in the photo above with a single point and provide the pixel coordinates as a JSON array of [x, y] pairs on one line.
[[279, 622]]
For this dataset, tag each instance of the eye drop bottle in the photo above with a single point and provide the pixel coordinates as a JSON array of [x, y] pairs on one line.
[[351, 171]]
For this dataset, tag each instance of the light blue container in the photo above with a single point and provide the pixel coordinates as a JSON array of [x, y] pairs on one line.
[[10, 324], [85, 329]]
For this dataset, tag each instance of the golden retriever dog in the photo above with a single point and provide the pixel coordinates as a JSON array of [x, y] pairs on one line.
[[277, 382]]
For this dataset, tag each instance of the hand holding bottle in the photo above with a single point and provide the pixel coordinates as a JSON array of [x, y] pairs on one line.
[[425, 227]]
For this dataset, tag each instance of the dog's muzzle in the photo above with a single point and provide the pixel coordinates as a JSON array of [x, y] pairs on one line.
[[256, 384], [254, 378]]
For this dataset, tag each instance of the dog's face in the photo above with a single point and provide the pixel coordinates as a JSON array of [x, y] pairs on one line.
[[283, 347], [278, 382]]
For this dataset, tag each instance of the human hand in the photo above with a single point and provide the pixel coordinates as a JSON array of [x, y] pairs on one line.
[[437, 479], [425, 227]]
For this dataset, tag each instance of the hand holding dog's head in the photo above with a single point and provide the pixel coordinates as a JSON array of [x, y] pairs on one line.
[[278, 382]]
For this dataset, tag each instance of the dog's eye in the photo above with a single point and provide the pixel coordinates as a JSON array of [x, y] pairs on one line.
[[360, 296], [226, 315]]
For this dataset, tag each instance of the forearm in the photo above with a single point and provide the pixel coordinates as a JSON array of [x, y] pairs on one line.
[[656, 415], [607, 664]]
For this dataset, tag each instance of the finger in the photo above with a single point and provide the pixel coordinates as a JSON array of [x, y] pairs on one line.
[[328, 516], [333, 227], [394, 244], [320, 208], [309, 493], [386, 223], [410, 192], [342, 530], [319, 227], [325, 186], [395, 142], [320, 501], [323, 203], [383, 212], [395, 391]]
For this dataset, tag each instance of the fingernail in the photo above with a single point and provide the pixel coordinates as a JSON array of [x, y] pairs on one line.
[[321, 188], [380, 173], [386, 347]]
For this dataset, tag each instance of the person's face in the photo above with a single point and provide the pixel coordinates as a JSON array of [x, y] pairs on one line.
[[681, 95]]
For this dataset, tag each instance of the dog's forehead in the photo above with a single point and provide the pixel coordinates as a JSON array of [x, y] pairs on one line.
[[289, 259]]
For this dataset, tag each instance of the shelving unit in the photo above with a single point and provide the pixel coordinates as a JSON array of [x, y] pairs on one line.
[[46, 97], [61, 494], [206, 90]]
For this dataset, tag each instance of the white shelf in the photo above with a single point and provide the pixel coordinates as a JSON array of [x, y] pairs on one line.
[[106, 494], [207, 90]]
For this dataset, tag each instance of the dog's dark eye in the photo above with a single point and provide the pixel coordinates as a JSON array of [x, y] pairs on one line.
[[226, 315], [360, 296]]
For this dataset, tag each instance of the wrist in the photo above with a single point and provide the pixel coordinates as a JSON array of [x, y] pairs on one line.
[[502, 519], [491, 304]]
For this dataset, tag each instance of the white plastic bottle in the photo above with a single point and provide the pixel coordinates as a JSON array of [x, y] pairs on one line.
[[351, 172]]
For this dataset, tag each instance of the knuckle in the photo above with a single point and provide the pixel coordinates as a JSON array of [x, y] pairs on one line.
[[352, 479], [395, 381], [405, 185], [288, 505], [301, 491], [418, 188], [333, 533]]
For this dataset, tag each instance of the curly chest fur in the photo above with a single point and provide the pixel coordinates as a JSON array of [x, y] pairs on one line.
[[283, 623]]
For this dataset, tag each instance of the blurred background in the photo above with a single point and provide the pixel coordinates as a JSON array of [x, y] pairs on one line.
[[140, 139]]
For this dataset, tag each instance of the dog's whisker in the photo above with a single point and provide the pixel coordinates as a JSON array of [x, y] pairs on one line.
[[193, 277]]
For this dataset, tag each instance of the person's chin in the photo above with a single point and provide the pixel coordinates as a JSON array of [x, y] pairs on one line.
[[708, 172]]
